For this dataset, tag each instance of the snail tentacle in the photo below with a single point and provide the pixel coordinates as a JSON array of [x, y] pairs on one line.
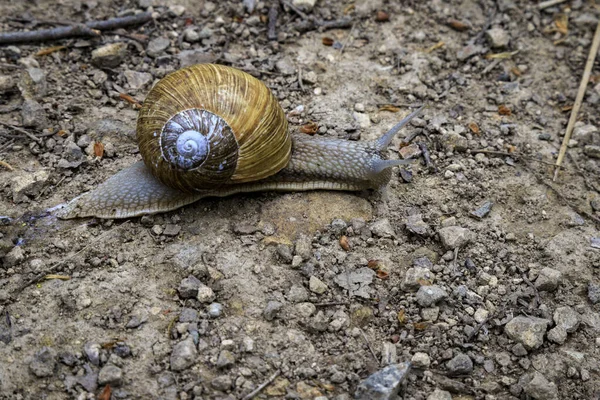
[[383, 142]]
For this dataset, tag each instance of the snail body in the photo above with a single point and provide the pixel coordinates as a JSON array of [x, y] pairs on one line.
[[212, 131]]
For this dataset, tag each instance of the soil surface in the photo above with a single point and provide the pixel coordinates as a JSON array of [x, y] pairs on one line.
[[475, 267]]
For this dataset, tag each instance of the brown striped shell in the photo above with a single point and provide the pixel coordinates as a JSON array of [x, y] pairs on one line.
[[209, 125]]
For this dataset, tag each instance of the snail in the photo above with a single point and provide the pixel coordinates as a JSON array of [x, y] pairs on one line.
[[212, 130]]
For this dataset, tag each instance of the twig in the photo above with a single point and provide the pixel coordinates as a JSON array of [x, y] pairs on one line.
[[538, 302], [549, 3], [427, 157], [41, 135], [332, 303], [262, 386], [300, 84], [6, 165], [272, 30], [370, 348], [89, 29], [21, 130], [348, 38], [310, 25], [491, 66], [578, 100]]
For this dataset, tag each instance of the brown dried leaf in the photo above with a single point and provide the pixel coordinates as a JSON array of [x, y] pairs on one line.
[[310, 129], [390, 108], [420, 326], [503, 110], [562, 23], [458, 25], [382, 16], [130, 100], [566, 108], [49, 50], [106, 393], [474, 128], [349, 9], [516, 71], [61, 133], [327, 41], [59, 277], [98, 149], [402, 316], [435, 47], [424, 282], [510, 148], [381, 274], [374, 264], [501, 56], [344, 243], [595, 78]]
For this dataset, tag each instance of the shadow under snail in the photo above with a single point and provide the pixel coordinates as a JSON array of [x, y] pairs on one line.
[[211, 130]]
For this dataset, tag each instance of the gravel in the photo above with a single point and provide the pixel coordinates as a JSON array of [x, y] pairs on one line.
[[383, 384], [461, 364], [453, 237], [430, 295], [548, 279], [183, 355], [529, 331], [110, 375], [272, 309], [540, 388], [43, 363]]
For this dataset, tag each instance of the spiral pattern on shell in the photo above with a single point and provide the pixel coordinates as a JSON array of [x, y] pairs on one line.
[[209, 125]]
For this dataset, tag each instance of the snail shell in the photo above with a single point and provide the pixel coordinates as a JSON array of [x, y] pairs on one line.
[[210, 125]]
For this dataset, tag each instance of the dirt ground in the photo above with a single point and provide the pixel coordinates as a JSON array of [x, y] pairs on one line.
[[209, 301]]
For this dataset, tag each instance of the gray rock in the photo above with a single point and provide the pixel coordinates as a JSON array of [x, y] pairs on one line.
[[594, 292], [592, 151], [303, 247], [43, 363], [461, 364], [567, 318], [519, 350], [453, 237], [497, 37], [188, 287], [469, 51], [416, 225], [297, 294], [33, 83], [540, 388], [338, 226], [110, 375], [33, 115], [415, 277], [305, 5], [319, 323], [110, 55], [382, 228], [430, 295], [225, 359], [548, 279], [356, 282], [191, 34], [558, 335], [215, 310], [316, 285], [92, 352], [171, 230], [585, 133], [421, 360], [529, 331], [14, 257], [383, 384], [188, 315], [205, 294], [285, 66], [157, 45], [439, 394], [272, 309], [183, 355], [137, 80], [222, 383], [285, 253]]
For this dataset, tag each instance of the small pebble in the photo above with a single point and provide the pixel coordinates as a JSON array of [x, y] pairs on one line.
[[215, 310], [272, 309]]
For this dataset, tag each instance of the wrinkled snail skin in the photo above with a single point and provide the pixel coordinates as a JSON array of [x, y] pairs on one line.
[[294, 162]]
